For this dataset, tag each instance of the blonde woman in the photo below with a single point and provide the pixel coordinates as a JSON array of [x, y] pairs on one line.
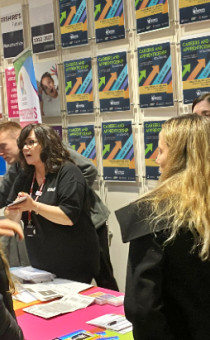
[[168, 276], [9, 329]]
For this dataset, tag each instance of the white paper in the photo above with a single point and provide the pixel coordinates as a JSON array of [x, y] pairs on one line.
[[54, 289], [114, 322], [67, 304], [24, 297]]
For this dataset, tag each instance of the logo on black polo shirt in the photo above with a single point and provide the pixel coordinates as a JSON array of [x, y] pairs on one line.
[[51, 189]]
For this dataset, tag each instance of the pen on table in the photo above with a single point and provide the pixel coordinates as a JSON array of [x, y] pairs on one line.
[[112, 323]]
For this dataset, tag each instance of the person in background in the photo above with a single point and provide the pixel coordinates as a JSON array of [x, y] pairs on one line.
[[15, 249], [60, 236], [201, 105], [168, 277], [9, 329]]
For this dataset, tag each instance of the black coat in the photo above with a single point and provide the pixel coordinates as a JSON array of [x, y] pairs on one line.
[[167, 287], [9, 329]]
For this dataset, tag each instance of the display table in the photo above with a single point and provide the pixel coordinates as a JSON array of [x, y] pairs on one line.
[[37, 328]]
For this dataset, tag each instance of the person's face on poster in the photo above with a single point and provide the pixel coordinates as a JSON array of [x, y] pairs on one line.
[[49, 87]]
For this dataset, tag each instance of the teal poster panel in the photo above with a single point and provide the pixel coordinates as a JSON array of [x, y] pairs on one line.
[[155, 76], [113, 82], [195, 57], [193, 10], [151, 135], [79, 86], [118, 151], [109, 20], [73, 22], [82, 140], [151, 15]]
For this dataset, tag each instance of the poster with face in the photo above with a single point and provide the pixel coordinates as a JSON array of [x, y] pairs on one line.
[[47, 80]]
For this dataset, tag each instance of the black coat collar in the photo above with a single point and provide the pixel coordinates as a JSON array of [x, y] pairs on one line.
[[134, 221]]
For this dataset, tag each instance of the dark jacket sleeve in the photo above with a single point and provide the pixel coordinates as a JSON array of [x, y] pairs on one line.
[[143, 298], [87, 167], [9, 329], [7, 182], [99, 213]]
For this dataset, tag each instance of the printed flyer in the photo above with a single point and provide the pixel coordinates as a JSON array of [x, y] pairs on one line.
[[118, 151], [82, 139], [109, 20], [193, 10], [113, 82], [27, 90], [12, 30], [151, 15], [195, 56], [73, 22], [42, 25], [79, 86], [11, 88], [151, 135], [155, 76]]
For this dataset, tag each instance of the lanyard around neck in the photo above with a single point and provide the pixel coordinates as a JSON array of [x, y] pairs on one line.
[[37, 194]]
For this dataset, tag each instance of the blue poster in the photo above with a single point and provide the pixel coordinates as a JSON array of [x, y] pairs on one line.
[[118, 151], [3, 166], [73, 22], [155, 76], [109, 20], [79, 86], [113, 82], [82, 140], [195, 56], [151, 15], [193, 10], [151, 135]]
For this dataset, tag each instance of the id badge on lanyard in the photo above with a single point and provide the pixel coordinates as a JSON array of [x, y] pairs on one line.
[[30, 229]]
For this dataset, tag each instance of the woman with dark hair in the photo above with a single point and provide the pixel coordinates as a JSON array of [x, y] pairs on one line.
[[201, 105], [168, 277], [60, 236]]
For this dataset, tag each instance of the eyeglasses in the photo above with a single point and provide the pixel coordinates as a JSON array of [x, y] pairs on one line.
[[30, 143]]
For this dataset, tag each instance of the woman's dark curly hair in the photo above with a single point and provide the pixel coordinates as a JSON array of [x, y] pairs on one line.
[[53, 153]]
